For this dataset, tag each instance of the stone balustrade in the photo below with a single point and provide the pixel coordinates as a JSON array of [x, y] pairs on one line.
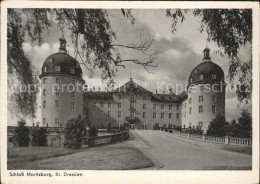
[[217, 139], [105, 139]]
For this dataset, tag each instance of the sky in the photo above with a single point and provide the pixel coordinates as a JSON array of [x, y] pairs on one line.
[[179, 52]]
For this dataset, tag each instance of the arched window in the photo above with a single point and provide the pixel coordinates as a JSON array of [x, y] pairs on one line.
[[214, 76], [45, 69], [201, 76]]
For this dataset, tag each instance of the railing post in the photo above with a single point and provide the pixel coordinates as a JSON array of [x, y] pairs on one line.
[[179, 133], [204, 137], [226, 139], [188, 135]]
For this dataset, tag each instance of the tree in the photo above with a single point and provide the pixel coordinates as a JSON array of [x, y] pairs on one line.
[[74, 130], [39, 136], [218, 126], [22, 134], [229, 29], [92, 34], [245, 122]]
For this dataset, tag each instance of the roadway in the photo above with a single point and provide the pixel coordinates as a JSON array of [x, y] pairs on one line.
[[174, 153]]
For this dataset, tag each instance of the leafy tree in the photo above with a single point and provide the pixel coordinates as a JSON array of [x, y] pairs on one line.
[[218, 126], [22, 134], [39, 136], [245, 123], [229, 29], [74, 130], [93, 131], [92, 34]]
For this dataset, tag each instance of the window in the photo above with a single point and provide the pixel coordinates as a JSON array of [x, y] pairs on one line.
[[216, 88], [200, 125], [144, 106], [57, 103], [102, 104], [57, 121], [190, 100], [200, 109], [162, 106], [119, 96], [72, 94], [162, 115], [201, 88], [57, 93], [201, 76], [154, 106], [178, 107], [94, 104], [72, 70], [44, 92], [109, 113], [154, 115], [119, 105], [132, 114], [72, 105], [44, 104], [178, 116], [200, 98], [44, 81], [170, 107], [144, 114], [144, 97], [57, 68], [45, 69], [185, 114], [57, 80], [214, 76], [94, 113], [132, 105], [213, 98], [43, 121], [170, 115], [214, 109], [109, 104], [190, 110], [132, 97], [119, 114]]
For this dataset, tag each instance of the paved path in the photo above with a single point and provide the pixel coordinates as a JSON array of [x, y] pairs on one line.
[[181, 154]]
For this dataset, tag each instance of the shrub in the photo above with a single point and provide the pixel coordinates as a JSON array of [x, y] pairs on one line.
[[22, 134], [74, 130]]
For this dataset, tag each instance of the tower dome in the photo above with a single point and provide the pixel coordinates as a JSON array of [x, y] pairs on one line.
[[206, 72], [61, 63]]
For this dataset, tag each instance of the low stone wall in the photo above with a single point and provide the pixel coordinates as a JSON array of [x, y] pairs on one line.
[[105, 139], [217, 139]]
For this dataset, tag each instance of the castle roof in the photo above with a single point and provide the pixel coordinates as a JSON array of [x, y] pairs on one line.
[[67, 64], [131, 87]]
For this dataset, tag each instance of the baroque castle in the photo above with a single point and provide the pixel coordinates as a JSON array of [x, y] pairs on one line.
[[194, 108]]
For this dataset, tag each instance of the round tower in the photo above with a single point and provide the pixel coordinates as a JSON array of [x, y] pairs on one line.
[[61, 82], [206, 94]]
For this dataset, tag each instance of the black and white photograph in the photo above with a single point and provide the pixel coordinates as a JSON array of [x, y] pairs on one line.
[[136, 89]]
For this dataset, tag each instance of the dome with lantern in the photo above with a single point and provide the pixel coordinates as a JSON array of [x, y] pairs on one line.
[[206, 72], [61, 63]]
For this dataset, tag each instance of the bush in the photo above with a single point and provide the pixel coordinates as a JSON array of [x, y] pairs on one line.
[[218, 126], [22, 134], [74, 130]]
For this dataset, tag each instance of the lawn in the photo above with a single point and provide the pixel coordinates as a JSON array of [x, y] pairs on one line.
[[19, 155], [119, 156]]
